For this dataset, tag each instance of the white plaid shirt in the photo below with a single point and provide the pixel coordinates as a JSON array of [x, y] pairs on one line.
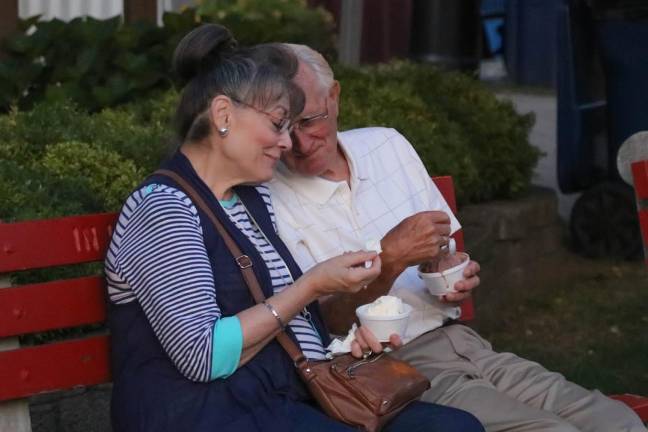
[[319, 219]]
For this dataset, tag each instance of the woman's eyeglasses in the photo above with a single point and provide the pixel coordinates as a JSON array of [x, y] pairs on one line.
[[281, 124]]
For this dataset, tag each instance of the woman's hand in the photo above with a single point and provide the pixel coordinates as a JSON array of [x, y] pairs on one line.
[[365, 343], [344, 273]]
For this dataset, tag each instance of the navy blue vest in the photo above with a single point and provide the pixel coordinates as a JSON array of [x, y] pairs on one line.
[[150, 394]]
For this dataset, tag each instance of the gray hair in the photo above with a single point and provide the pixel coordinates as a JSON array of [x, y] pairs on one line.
[[210, 63], [315, 61]]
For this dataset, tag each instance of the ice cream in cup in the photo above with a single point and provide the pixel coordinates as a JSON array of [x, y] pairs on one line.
[[386, 316], [441, 281]]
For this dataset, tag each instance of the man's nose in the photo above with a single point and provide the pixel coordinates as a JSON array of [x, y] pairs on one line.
[[300, 142]]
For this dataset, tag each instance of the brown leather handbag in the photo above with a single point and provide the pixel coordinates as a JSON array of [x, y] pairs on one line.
[[364, 393]]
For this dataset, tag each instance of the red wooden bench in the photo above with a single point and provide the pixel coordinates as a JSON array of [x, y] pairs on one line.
[[640, 177], [68, 303]]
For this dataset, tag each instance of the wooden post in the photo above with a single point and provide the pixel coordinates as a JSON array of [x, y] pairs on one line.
[[350, 30], [8, 19], [140, 10], [14, 415]]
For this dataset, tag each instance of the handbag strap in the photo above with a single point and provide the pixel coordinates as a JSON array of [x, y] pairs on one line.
[[243, 261]]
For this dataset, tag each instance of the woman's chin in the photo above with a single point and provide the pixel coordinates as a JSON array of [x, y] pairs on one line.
[[261, 177]]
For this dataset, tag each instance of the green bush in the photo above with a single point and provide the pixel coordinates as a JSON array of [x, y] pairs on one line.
[[58, 159], [109, 176], [28, 193], [104, 63], [457, 126], [259, 21]]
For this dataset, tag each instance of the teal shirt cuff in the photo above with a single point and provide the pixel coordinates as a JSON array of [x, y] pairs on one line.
[[227, 344]]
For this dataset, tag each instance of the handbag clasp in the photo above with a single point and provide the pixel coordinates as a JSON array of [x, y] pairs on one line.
[[359, 363]]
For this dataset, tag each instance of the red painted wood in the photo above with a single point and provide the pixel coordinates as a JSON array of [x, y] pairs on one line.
[[57, 366], [643, 223], [8, 21], [640, 177], [140, 10], [53, 242], [83, 362], [446, 187], [52, 305], [638, 403]]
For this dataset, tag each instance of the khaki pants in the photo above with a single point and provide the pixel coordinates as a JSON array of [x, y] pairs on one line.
[[506, 392]]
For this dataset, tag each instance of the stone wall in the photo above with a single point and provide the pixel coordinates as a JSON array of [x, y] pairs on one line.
[[506, 237], [78, 410], [503, 236]]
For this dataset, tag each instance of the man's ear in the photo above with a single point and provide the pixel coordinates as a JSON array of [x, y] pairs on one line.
[[220, 112], [334, 91]]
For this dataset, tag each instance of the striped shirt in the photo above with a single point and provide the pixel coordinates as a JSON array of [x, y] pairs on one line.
[[307, 336], [157, 256]]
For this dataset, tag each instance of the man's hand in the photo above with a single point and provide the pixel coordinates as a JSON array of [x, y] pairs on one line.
[[464, 287], [416, 239]]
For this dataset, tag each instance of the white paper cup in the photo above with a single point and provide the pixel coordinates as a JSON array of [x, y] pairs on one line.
[[442, 283], [384, 326]]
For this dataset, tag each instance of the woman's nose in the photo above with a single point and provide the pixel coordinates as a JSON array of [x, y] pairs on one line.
[[285, 142]]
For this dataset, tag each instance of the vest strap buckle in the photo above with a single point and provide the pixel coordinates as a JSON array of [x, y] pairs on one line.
[[244, 261]]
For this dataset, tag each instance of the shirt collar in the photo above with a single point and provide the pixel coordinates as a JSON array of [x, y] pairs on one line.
[[359, 172], [318, 189]]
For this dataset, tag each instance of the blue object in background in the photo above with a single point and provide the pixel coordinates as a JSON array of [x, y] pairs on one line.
[[624, 52], [582, 136], [493, 28], [530, 41], [602, 93], [492, 13], [493, 7]]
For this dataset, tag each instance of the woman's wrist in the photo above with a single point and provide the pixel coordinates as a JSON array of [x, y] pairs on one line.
[[306, 285]]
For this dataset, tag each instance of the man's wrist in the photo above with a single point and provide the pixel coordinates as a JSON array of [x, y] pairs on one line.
[[391, 268]]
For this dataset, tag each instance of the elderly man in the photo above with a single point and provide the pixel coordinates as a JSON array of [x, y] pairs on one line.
[[336, 191]]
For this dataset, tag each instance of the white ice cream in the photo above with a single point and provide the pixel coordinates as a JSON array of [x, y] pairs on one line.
[[385, 306], [372, 245]]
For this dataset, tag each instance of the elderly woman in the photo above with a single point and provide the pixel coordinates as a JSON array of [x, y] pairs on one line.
[[192, 351]]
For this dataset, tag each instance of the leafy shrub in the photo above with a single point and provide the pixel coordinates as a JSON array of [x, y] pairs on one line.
[[259, 21], [58, 159], [83, 162], [457, 126], [109, 175], [104, 63], [95, 63], [28, 193]]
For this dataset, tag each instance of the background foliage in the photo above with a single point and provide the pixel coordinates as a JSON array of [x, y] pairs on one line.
[[60, 159], [88, 106], [103, 63]]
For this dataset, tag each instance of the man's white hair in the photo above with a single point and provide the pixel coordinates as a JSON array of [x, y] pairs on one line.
[[315, 61]]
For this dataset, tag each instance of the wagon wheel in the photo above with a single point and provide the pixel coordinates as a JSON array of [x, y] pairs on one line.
[[604, 222]]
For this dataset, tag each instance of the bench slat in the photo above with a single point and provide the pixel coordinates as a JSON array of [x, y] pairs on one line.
[[639, 404], [54, 242], [51, 305], [57, 366], [446, 187], [640, 176]]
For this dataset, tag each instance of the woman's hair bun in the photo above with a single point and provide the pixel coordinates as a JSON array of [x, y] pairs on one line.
[[201, 49]]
